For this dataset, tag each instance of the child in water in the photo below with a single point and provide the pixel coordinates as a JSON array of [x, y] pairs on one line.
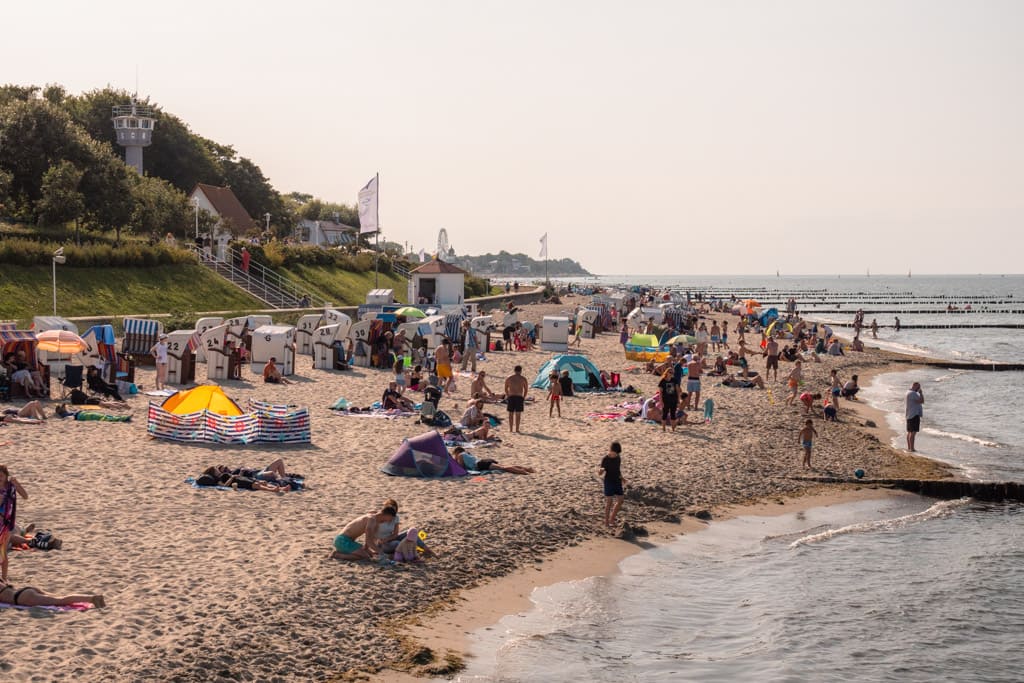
[[807, 435], [611, 470]]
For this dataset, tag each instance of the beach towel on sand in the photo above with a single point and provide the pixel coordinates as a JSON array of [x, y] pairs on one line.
[[73, 607]]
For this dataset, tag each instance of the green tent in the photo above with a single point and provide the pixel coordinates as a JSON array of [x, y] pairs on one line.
[[584, 374]]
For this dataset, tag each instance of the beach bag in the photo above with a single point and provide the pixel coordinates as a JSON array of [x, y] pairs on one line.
[[441, 419], [427, 412]]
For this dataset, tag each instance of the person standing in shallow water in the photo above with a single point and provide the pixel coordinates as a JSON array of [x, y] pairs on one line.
[[915, 410]]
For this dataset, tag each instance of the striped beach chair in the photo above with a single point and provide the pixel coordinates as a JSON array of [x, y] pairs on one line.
[[139, 337]]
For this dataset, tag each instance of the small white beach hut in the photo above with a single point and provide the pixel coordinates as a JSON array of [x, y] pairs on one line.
[[213, 341], [273, 341], [555, 333], [181, 359]]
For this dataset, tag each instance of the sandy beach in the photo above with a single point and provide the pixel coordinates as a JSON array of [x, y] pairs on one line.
[[204, 584]]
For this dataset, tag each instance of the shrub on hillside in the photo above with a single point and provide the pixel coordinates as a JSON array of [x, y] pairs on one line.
[[25, 252], [279, 255]]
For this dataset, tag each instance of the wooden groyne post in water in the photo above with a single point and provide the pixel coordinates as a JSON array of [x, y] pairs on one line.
[[947, 489]]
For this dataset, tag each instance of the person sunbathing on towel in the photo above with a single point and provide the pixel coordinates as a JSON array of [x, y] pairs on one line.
[[85, 415], [271, 374], [470, 462], [30, 413], [744, 382], [346, 544], [33, 597], [219, 475]]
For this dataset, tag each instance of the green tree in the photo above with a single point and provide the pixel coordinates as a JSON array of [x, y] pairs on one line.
[[61, 199], [17, 93], [251, 187], [160, 208]]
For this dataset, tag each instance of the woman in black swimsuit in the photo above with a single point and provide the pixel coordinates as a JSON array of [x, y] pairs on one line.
[[33, 597]]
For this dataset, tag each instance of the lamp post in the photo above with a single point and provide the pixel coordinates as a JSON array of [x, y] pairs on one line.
[[267, 216], [195, 201], [58, 257]]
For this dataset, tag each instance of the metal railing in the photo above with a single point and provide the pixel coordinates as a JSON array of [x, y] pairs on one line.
[[258, 280]]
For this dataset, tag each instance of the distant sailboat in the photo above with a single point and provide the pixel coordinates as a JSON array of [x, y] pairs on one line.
[[908, 272], [869, 272], [776, 273]]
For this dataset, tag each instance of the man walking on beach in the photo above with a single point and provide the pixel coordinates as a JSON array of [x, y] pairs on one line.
[[771, 350], [915, 409], [515, 394]]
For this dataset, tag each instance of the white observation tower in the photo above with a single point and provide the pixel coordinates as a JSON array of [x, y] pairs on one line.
[[134, 126]]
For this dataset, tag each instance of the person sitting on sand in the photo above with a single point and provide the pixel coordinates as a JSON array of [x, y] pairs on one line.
[[470, 462], [835, 348], [479, 386], [390, 536], [850, 389], [33, 597], [272, 375], [19, 372], [473, 416], [857, 344], [98, 386], [346, 544], [719, 369], [393, 400], [416, 378]]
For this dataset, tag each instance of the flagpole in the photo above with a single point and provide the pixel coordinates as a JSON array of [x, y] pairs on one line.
[[376, 257]]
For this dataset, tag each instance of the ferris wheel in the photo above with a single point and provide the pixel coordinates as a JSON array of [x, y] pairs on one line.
[[442, 243]]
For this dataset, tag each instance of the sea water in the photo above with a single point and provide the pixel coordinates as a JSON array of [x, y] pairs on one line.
[[900, 589]]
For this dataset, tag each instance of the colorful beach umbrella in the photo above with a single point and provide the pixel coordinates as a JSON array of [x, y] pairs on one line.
[[410, 312], [62, 342], [682, 339]]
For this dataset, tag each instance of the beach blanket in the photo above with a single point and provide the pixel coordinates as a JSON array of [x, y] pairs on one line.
[[73, 607], [379, 413], [160, 392], [610, 415], [452, 440]]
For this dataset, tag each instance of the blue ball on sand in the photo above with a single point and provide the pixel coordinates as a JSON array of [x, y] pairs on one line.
[[859, 473]]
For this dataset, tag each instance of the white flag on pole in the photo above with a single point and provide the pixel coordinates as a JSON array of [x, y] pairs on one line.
[[368, 208], [423, 255], [544, 246]]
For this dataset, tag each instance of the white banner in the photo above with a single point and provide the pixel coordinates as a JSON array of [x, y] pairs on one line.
[[368, 209], [423, 255], [544, 246]]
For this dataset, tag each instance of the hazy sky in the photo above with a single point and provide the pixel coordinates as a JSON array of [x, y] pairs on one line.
[[644, 137]]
